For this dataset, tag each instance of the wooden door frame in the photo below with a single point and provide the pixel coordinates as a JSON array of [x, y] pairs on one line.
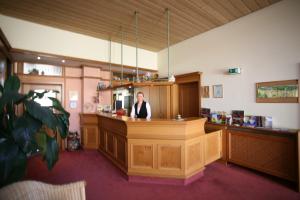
[[44, 80], [189, 78]]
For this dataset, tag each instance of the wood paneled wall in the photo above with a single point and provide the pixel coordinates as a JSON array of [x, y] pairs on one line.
[[163, 100]]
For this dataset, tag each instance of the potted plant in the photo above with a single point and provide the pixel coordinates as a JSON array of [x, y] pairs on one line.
[[22, 135]]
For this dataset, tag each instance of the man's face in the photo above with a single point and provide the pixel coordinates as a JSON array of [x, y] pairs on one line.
[[140, 97]]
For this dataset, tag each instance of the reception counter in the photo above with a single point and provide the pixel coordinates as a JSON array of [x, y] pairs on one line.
[[162, 148]]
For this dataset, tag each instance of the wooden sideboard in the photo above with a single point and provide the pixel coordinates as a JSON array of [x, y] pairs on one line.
[[89, 131], [275, 152]]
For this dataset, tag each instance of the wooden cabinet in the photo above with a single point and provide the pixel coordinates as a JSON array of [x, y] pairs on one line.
[[275, 155], [89, 131], [113, 143], [212, 146], [270, 151], [214, 127], [161, 99]]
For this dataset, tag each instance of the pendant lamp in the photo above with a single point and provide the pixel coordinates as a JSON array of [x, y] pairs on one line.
[[122, 67], [110, 80], [136, 45], [171, 78]]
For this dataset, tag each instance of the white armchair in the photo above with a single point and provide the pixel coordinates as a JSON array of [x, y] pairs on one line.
[[35, 190]]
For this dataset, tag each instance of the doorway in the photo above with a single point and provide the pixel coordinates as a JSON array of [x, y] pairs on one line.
[[189, 99]]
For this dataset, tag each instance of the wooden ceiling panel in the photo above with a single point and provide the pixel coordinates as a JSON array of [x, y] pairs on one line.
[[103, 18]]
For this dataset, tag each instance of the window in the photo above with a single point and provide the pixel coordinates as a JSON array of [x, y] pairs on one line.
[[42, 69]]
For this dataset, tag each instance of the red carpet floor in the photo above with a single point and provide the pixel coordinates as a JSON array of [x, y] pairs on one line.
[[106, 182]]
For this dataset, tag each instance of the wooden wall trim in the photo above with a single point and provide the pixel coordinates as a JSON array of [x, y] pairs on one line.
[[44, 80], [188, 78], [20, 73], [194, 77], [62, 57], [73, 77], [4, 40], [6, 46]]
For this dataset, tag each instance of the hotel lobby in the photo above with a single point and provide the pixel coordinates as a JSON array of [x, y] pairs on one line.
[[168, 99]]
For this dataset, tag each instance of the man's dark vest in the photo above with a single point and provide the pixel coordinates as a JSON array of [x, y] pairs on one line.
[[143, 110]]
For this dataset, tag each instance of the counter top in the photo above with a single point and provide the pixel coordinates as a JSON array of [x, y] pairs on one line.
[[259, 129], [128, 120]]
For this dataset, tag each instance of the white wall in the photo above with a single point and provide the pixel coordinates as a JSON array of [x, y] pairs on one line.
[[265, 44], [35, 37]]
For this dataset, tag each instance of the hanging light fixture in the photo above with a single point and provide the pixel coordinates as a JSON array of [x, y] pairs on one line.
[[110, 81], [171, 78], [122, 67], [136, 45]]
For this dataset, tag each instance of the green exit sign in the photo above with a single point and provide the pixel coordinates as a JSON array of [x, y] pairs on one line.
[[235, 70]]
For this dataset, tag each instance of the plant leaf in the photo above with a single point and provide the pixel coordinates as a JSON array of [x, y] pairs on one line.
[[62, 118], [24, 131], [1, 89], [57, 105], [12, 84], [63, 125], [12, 162], [41, 140], [41, 94], [43, 114], [51, 155], [10, 97]]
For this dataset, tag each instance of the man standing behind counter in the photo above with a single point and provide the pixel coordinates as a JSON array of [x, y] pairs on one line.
[[141, 109]]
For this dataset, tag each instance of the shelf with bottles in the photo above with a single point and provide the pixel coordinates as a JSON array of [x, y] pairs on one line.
[[131, 77]]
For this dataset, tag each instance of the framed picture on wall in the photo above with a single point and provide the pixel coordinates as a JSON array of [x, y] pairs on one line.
[[217, 91], [277, 92], [205, 91]]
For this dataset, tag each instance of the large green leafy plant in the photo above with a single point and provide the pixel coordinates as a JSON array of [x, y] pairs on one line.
[[22, 135]]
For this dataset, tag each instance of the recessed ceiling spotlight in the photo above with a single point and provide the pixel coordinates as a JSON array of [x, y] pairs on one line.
[[39, 58], [63, 61]]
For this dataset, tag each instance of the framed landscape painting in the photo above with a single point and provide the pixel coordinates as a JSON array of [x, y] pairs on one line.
[[277, 92]]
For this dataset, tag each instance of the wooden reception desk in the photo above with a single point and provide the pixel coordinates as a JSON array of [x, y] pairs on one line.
[[162, 148]]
